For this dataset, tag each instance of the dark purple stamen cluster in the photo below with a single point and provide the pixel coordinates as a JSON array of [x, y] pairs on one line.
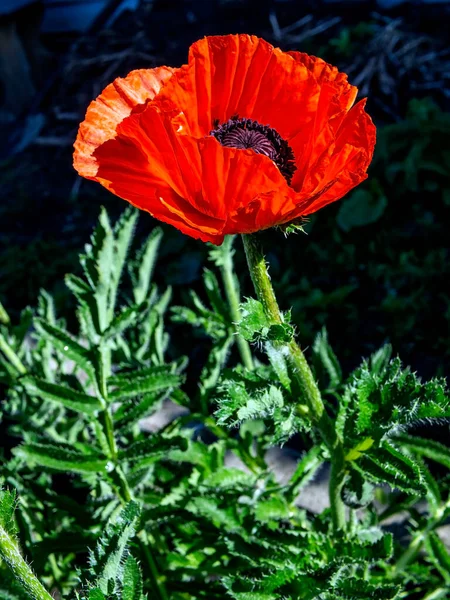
[[262, 139]]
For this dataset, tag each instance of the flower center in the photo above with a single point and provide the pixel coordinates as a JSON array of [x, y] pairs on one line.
[[262, 139]]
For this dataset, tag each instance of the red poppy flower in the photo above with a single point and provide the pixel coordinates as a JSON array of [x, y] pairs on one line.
[[242, 138]]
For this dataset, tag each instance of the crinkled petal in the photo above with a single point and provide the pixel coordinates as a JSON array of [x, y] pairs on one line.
[[114, 104], [243, 75], [343, 165]]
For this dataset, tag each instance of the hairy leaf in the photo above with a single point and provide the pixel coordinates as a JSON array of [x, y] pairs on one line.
[[63, 395], [62, 457]]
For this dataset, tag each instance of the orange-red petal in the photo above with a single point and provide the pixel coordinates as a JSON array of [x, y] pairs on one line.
[[243, 75], [110, 108]]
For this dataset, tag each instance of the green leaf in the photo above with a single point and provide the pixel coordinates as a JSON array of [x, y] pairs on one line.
[[61, 457], [107, 560], [273, 509], [62, 395], [227, 477], [389, 465], [277, 356], [156, 381], [7, 507], [4, 317], [141, 267], [132, 580], [253, 596], [306, 469], [98, 266], [125, 319], [255, 326], [357, 492], [237, 405], [379, 360], [424, 447], [96, 594], [67, 345], [123, 234], [326, 360], [439, 555], [87, 308], [146, 451], [354, 588], [129, 413], [214, 294]]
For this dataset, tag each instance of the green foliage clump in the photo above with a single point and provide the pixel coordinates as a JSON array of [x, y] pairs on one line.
[[100, 500]]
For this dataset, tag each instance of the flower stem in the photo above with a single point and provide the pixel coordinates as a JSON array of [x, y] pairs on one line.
[[10, 553], [232, 294], [302, 378]]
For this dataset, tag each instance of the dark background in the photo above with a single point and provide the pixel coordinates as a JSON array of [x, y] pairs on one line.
[[373, 268]]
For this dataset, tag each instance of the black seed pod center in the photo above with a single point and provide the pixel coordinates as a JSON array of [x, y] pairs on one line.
[[262, 139]]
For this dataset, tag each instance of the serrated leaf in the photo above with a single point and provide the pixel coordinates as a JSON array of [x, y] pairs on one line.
[[67, 345], [306, 469], [141, 267], [61, 457], [227, 477], [379, 360], [127, 414], [357, 492], [106, 561], [98, 265], [87, 308], [356, 588], [325, 359], [209, 509], [96, 594], [124, 319], [63, 395], [123, 234], [425, 447], [273, 509], [152, 383], [389, 465], [255, 326], [132, 580], [145, 451]]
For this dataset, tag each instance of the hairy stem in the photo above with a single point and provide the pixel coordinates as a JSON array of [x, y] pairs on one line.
[[303, 378], [10, 553], [232, 294]]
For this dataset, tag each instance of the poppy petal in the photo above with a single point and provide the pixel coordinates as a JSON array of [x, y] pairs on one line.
[[243, 75], [345, 165], [124, 169], [115, 103]]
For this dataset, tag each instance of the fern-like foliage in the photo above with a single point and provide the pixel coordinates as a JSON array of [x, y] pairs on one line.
[[108, 505]]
